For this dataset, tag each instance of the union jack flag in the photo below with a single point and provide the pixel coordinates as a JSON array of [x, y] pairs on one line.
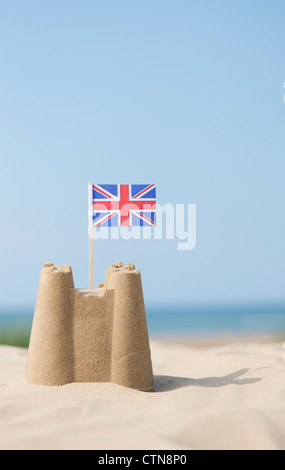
[[115, 205]]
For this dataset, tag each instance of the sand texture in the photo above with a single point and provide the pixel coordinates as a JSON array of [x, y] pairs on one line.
[[228, 397], [90, 336]]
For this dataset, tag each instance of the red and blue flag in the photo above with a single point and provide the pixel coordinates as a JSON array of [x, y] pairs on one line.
[[123, 205]]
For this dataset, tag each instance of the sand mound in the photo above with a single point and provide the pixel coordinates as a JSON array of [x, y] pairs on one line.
[[230, 397]]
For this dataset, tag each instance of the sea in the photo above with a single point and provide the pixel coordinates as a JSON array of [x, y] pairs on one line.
[[183, 320]]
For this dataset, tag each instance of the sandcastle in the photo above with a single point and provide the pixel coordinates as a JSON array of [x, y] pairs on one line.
[[100, 335]]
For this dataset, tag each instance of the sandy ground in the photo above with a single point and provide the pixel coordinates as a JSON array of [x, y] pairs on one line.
[[222, 397]]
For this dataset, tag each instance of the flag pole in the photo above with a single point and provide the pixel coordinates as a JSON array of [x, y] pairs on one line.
[[90, 233]]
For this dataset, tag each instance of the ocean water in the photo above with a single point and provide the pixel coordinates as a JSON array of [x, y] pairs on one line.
[[217, 320], [187, 320]]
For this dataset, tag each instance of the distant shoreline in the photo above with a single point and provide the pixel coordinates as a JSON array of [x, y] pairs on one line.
[[191, 325], [204, 340]]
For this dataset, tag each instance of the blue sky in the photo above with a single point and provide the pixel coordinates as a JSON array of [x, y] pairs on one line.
[[185, 94]]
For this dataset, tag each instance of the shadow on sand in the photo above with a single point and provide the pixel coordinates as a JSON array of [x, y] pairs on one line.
[[166, 383]]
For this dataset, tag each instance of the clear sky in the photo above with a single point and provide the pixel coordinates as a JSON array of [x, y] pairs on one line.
[[185, 94]]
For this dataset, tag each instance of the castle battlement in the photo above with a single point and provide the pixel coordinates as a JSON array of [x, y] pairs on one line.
[[80, 335]]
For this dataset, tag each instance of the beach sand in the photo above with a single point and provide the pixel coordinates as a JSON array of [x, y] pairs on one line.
[[222, 397]]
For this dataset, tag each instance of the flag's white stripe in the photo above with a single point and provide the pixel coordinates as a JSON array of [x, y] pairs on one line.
[[144, 191], [145, 218], [115, 198], [104, 219]]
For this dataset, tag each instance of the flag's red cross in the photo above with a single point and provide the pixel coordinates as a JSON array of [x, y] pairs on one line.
[[124, 205]]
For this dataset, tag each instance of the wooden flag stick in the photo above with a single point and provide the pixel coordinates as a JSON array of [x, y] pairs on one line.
[[90, 233], [90, 259]]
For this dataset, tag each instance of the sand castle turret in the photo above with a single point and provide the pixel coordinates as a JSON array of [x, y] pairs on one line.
[[50, 358], [90, 336], [131, 359]]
